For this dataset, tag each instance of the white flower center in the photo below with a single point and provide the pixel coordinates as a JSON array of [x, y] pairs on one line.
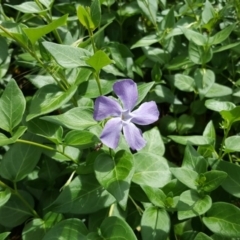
[[126, 116]]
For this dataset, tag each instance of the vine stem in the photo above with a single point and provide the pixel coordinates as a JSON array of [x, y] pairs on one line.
[[221, 154], [45, 147], [137, 207]]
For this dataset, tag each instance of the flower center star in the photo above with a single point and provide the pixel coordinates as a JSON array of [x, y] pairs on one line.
[[126, 116]]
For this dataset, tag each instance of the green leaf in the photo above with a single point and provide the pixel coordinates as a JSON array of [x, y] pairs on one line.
[[194, 36], [186, 176], [4, 49], [143, 90], [155, 195], [151, 170], [157, 146], [155, 224], [218, 106], [95, 10], [115, 174], [27, 7], [232, 144], [146, 41], [70, 228], [191, 204], [4, 235], [193, 140], [67, 56], [204, 79], [82, 139], [48, 99], [49, 130], [34, 34], [232, 115], [202, 236], [218, 90], [223, 219], [12, 106], [149, 8], [184, 83], [84, 17], [15, 212], [212, 180], [90, 89], [161, 94], [193, 160], [113, 228], [34, 230], [208, 12], [84, 195], [225, 47], [4, 196], [232, 182], [185, 123], [99, 60], [222, 35], [199, 54], [76, 118], [20, 160]]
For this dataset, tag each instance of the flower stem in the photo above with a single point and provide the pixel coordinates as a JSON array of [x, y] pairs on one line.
[[139, 209]]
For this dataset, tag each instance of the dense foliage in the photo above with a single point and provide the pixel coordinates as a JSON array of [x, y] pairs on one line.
[[59, 64]]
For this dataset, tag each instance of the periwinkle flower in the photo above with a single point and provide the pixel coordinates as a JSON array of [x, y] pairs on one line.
[[123, 118]]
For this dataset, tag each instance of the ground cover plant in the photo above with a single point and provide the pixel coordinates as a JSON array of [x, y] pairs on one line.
[[119, 119]]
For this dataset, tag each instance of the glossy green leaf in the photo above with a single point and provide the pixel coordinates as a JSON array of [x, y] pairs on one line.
[[95, 10], [4, 235], [36, 33], [34, 230], [157, 146], [143, 90], [151, 170], [82, 139], [84, 17], [212, 180], [67, 56], [46, 129], [232, 182], [223, 219], [184, 82], [161, 94], [193, 140], [225, 47], [90, 89], [194, 36], [15, 212], [115, 174], [48, 99], [146, 41], [12, 106], [155, 224], [27, 7], [20, 160], [186, 176], [219, 106], [76, 118], [232, 144], [116, 228], [202, 236], [191, 204], [155, 195], [99, 60], [222, 35], [83, 195], [232, 115], [4, 50], [199, 54], [185, 123], [70, 228], [4, 196], [208, 12], [149, 8], [218, 90]]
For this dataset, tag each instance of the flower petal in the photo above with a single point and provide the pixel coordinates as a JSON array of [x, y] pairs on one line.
[[127, 91], [106, 107], [111, 133], [133, 136], [146, 114]]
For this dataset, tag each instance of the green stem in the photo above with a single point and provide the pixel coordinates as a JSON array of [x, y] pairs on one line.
[[137, 207], [92, 40], [96, 75], [221, 154], [45, 147]]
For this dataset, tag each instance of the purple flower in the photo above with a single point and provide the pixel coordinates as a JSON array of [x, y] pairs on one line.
[[123, 118]]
